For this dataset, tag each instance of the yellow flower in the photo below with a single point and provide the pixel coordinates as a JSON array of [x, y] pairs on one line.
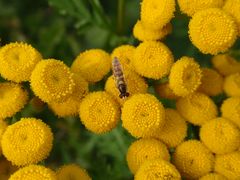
[[143, 33], [157, 13], [212, 31], [231, 85], [228, 165], [34, 172], [185, 76], [125, 55], [92, 64], [71, 172], [17, 61], [99, 112], [231, 110], [3, 127], [152, 59], [220, 136], [175, 129], [27, 141], [6, 169], [190, 7], [225, 64], [51, 80], [135, 84], [193, 159], [143, 150], [142, 115], [213, 176], [232, 7], [12, 99], [70, 107], [164, 91], [157, 169], [37, 104], [212, 82], [197, 108]]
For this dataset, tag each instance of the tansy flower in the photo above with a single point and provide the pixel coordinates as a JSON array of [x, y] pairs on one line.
[[175, 129], [72, 172], [145, 149], [225, 64], [164, 91], [228, 165], [70, 107], [17, 61], [211, 82], [92, 64], [135, 84], [37, 104], [190, 7], [231, 85], [125, 55], [99, 112], [197, 108], [157, 13], [220, 136], [27, 141], [212, 31], [12, 99], [51, 80], [231, 110], [232, 7], [3, 127], [185, 76], [152, 59], [6, 169], [34, 172], [193, 159], [157, 169], [142, 115], [213, 176], [143, 33]]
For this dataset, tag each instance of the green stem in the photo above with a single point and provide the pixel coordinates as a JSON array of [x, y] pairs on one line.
[[120, 16]]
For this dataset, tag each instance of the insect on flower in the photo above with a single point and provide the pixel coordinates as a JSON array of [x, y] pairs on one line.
[[119, 78]]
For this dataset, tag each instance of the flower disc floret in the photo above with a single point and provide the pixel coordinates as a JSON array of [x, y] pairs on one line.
[[142, 115], [17, 61], [231, 85], [3, 127], [213, 176], [212, 31], [27, 141], [99, 112]]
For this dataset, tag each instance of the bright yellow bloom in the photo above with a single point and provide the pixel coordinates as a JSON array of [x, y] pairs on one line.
[[220, 136], [27, 141], [152, 59], [185, 76], [212, 82], [213, 176], [3, 127], [72, 172], [92, 64], [164, 91], [135, 84], [231, 110], [197, 108], [17, 61], [193, 159], [99, 112], [228, 165], [143, 150], [157, 169], [70, 107], [190, 7], [225, 64], [212, 31], [37, 104], [6, 169], [12, 99], [232, 7], [34, 172], [51, 80], [142, 115], [125, 55], [231, 85], [143, 33], [155, 14], [175, 129]]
